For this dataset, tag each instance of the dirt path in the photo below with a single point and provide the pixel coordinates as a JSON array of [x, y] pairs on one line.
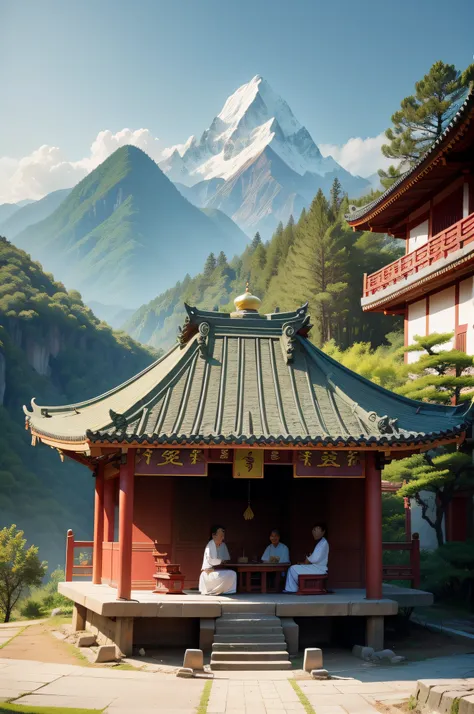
[[37, 643]]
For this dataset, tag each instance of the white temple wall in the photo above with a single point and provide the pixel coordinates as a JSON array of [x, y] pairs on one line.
[[466, 312], [419, 525], [416, 326], [442, 313], [418, 236]]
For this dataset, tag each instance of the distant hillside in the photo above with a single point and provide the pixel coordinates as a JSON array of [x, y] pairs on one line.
[[125, 232], [319, 259], [53, 348], [7, 210], [32, 212]]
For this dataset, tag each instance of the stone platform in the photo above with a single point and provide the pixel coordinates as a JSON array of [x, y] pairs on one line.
[[102, 599]]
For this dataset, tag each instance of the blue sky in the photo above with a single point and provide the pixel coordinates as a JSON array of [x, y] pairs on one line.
[[71, 68]]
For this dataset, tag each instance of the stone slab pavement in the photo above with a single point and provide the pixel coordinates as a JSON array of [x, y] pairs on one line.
[[122, 691]]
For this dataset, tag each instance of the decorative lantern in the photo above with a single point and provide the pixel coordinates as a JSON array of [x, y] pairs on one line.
[[168, 577]]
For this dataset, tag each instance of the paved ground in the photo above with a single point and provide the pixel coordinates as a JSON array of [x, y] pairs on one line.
[[121, 692]]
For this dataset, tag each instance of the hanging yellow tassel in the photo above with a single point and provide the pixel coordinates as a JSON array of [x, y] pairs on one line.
[[248, 513]]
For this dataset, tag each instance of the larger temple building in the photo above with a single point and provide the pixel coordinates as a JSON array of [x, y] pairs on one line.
[[243, 414], [431, 208]]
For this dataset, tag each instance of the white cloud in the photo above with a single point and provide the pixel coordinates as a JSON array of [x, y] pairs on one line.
[[359, 156], [47, 169]]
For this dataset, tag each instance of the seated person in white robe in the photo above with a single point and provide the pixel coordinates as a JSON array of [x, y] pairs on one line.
[[276, 549], [316, 563], [214, 581]]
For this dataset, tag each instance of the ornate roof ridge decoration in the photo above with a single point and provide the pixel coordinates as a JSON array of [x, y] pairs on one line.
[[435, 153]]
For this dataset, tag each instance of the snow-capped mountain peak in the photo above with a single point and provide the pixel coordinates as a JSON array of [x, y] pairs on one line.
[[252, 118]]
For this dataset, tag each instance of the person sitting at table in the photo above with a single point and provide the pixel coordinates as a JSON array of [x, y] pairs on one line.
[[276, 550], [214, 581], [316, 563]]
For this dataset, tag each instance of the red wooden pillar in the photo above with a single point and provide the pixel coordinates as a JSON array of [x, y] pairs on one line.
[[127, 474], [69, 555], [98, 525], [109, 509], [373, 529]]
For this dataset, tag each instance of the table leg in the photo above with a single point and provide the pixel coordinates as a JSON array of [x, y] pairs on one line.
[[249, 582], [264, 581]]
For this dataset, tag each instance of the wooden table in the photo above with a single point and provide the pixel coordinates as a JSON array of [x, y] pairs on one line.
[[246, 570]]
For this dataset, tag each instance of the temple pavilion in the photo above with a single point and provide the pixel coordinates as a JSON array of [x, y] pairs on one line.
[[244, 411]]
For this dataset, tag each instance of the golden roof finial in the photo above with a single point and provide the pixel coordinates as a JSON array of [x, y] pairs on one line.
[[247, 302]]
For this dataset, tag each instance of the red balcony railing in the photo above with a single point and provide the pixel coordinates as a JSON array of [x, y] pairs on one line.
[[83, 568], [404, 571], [439, 246]]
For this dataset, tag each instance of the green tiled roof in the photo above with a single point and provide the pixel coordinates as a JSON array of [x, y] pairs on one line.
[[249, 379]]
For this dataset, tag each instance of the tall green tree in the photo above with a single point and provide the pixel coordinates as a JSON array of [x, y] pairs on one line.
[[20, 569], [222, 260], [335, 196], [423, 116], [256, 241], [439, 376], [210, 265]]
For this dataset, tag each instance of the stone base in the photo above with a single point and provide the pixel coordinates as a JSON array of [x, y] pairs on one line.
[[374, 632]]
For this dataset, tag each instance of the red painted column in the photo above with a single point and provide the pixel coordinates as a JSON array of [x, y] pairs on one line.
[[373, 529], [127, 474], [109, 509], [69, 555], [98, 525]]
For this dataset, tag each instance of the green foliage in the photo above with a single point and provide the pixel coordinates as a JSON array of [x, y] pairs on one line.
[[423, 116], [318, 259], [448, 572], [440, 375], [42, 600], [52, 347], [20, 568]]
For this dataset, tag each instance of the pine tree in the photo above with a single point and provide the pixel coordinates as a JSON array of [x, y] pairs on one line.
[[210, 265], [222, 260], [336, 196], [256, 241], [422, 117], [439, 375]]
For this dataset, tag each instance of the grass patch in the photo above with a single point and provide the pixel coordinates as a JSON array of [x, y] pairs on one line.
[[204, 701], [44, 710], [127, 667], [302, 697], [412, 703], [455, 706]]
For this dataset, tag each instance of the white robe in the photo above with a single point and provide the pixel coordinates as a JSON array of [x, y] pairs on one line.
[[216, 582], [318, 566], [281, 551]]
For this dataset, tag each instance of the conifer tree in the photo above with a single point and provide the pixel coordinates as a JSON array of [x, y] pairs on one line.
[[336, 196], [210, 265], [222, 260], [439, 375], [423, 116], [256, 241]]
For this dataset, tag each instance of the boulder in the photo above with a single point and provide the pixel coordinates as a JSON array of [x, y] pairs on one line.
[[397, 659], [106, 653], [313, 659], [319, 674], [383, 654], [87, 640], [365, 653], [185, 672], [193, 659]]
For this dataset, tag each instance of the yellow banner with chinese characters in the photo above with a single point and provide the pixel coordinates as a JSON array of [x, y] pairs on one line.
[[248, 463]]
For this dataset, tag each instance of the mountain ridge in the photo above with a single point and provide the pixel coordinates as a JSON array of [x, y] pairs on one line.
[[124, 230]]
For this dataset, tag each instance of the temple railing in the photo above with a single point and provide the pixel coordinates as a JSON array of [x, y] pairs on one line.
[[409, 571], [83, 568], [404, 571], [438, 247]]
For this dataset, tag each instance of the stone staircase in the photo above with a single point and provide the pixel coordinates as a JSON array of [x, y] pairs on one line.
[[250, 641]]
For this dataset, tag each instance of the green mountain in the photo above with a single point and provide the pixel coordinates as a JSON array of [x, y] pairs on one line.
[[52, 347], [319, 260], [32, 212], [125, 232]]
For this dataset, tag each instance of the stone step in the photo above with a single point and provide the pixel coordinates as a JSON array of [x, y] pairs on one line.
[[269, 621], [240, 616], [244, 656], [266, 608], [250, 665], [251, 630], [265, 638], [247, 646]]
